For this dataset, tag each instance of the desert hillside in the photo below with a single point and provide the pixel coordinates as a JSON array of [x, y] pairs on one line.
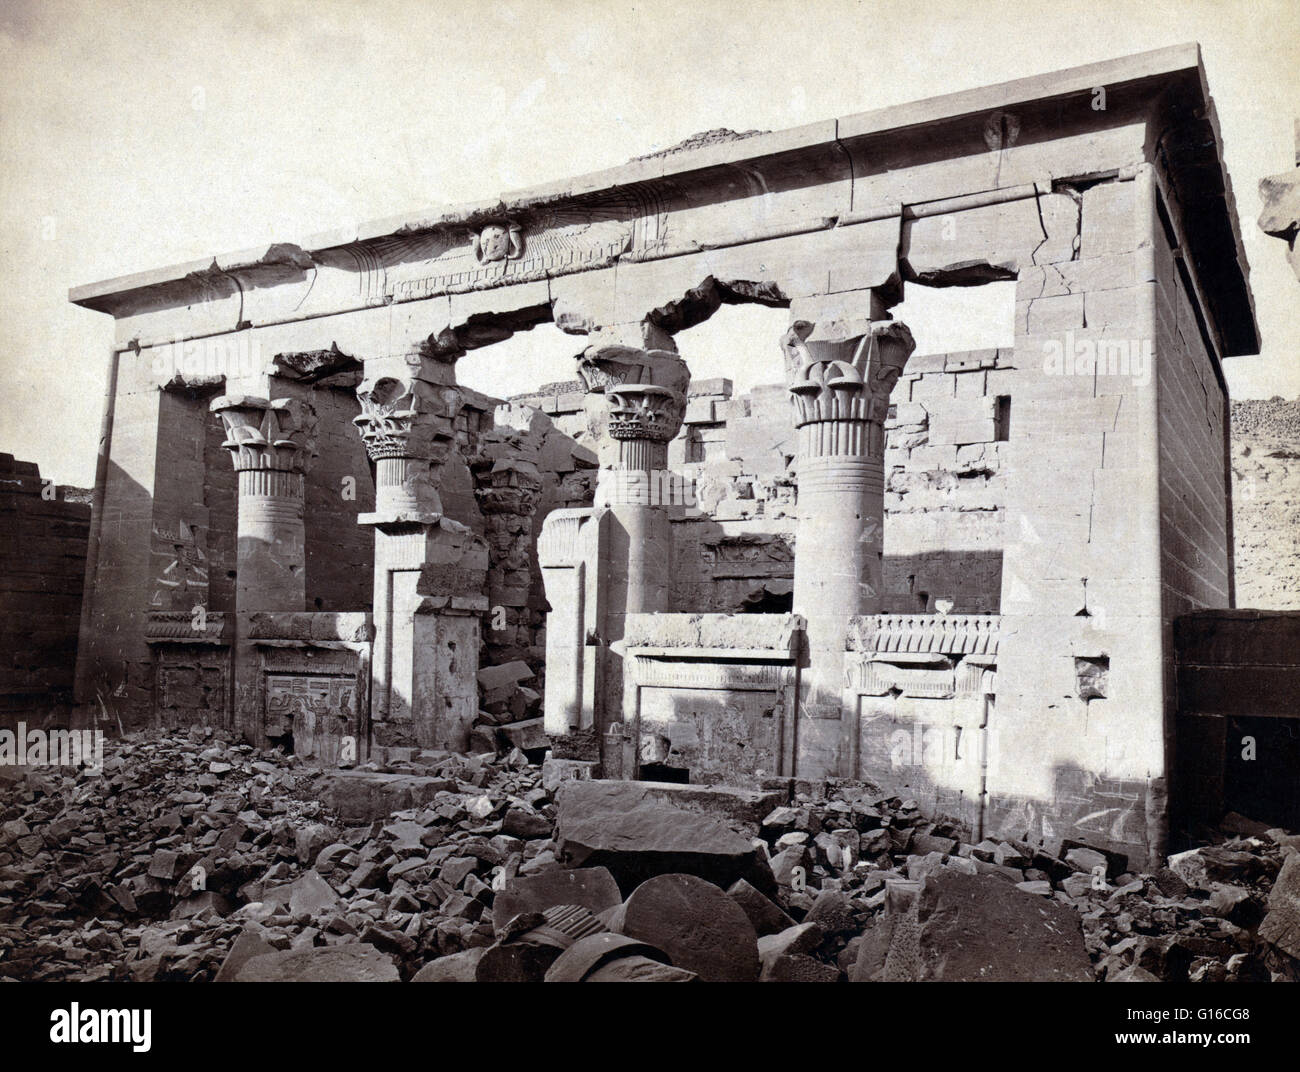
[[1266, 502]]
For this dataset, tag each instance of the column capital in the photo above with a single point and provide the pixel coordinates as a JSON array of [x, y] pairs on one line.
[[262, 434], [842, 373], [406, 417], [408, 426], [636, 396]]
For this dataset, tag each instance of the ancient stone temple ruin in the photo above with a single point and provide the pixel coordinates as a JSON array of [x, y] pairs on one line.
[[951, 573]]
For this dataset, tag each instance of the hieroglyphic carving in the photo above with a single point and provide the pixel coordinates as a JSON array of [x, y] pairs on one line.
[[180, 567], [747, 555], [309, 705]]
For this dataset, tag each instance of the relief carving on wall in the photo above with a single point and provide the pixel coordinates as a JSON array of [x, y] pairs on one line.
[[498, 242]]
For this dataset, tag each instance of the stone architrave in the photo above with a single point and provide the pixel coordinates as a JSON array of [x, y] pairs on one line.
[[430, 571], [840, 375]]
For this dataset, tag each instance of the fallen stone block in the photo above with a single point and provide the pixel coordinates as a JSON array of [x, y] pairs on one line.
[[697, 925], [248, 945], [593, 888], [526, 735], [834, 913], [634, 831], [589, 954], [555, 772], [309, 895], [363, 796], [456, 968], [310, 839], [1281, 926], [800, 968], [801, 938], [351, 963], [765, 914], [526, 824], [1086, 860], [1133, 974], [972, 928]]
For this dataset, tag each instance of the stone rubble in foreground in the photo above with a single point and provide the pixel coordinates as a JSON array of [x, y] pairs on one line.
[[192, 859]]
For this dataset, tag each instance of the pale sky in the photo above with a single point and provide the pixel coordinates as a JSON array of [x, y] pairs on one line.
[[140, 133]]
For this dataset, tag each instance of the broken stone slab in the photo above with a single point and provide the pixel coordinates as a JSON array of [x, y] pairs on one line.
[[697, 925], [801, 938], [765, 914], [800, 968], [593, 888], [1281, 926], [555, 772], [363, 796], [309, 895], [456, 968], [589, 954], [527, 735], [640, 969], [971, 928], [638, 831], [248, 945], [354, 962]]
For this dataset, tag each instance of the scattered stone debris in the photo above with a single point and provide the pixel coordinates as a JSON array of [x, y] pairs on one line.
[[190, 858]]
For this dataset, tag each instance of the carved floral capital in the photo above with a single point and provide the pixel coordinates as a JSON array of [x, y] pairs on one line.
[[277, 435], [845, 379]]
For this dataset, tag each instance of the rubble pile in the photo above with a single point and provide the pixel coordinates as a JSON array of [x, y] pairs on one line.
[[189, 858], [510, 712], [187, 853]]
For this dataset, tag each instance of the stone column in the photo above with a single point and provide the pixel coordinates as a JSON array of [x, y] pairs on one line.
[[636, 403], [840, 375], [272, 444], [430, 571]]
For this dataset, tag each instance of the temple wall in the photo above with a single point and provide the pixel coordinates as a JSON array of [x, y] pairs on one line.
[[43, 536], [1054, 507], [1194, 506]]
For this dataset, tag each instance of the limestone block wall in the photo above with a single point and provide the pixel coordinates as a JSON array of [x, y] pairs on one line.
[[945, 462], [43, 541], [1195, 542], [339, 486]]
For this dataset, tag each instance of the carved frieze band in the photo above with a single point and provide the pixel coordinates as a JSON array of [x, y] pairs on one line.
[[945, 634], [648, 672]]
